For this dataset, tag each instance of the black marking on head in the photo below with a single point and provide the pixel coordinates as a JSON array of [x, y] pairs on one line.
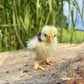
[[39, 37]]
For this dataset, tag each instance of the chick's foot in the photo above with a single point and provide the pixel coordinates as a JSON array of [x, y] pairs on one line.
[[47, 62], [37, 66]]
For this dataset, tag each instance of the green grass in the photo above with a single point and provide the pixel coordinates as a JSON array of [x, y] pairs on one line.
[[21, 19], [78, 36]]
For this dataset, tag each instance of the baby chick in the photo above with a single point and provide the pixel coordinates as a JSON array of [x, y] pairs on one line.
[[43, 46]]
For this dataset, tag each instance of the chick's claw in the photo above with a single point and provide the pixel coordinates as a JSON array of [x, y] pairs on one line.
[[39, 67], [47, 62]]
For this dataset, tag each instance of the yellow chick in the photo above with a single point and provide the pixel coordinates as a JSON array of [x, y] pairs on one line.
[[43, 46]]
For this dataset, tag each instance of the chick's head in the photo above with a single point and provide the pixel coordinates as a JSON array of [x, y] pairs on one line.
[[48, 33]]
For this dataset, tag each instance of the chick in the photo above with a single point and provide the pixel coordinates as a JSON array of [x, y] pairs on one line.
[[43, 46]]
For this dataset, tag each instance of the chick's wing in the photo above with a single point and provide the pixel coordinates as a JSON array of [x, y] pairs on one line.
[[32, 43]]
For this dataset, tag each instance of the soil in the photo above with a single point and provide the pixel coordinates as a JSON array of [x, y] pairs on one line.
[[16, 67]]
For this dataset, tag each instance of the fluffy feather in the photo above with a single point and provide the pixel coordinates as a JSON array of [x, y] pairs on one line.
[[43, 45]]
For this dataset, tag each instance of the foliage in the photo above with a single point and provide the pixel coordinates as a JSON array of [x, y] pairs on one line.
[[66, 36], [20, 19]]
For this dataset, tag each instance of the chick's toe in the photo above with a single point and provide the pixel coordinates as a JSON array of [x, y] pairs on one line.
[[37, 66], [47, 62]]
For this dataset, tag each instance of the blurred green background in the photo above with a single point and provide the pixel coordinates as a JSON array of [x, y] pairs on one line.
[[21, 19]]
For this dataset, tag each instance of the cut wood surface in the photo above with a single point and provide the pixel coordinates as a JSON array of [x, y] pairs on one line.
[[16, 66]]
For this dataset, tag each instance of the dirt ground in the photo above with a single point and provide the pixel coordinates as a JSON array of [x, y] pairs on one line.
[[16, 67]]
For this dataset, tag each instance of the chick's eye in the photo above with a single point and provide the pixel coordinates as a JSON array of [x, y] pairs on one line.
[[55, 35], [45, 35]]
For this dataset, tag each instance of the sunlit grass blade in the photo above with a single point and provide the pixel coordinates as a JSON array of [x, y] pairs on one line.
[[15, 27], [23, 25], [17, 32], [1, 48]]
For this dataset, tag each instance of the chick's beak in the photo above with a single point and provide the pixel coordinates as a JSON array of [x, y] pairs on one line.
[[50, 38]]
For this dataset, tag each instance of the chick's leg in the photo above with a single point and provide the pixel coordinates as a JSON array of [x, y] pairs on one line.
[[37, 66], [47, 62]]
